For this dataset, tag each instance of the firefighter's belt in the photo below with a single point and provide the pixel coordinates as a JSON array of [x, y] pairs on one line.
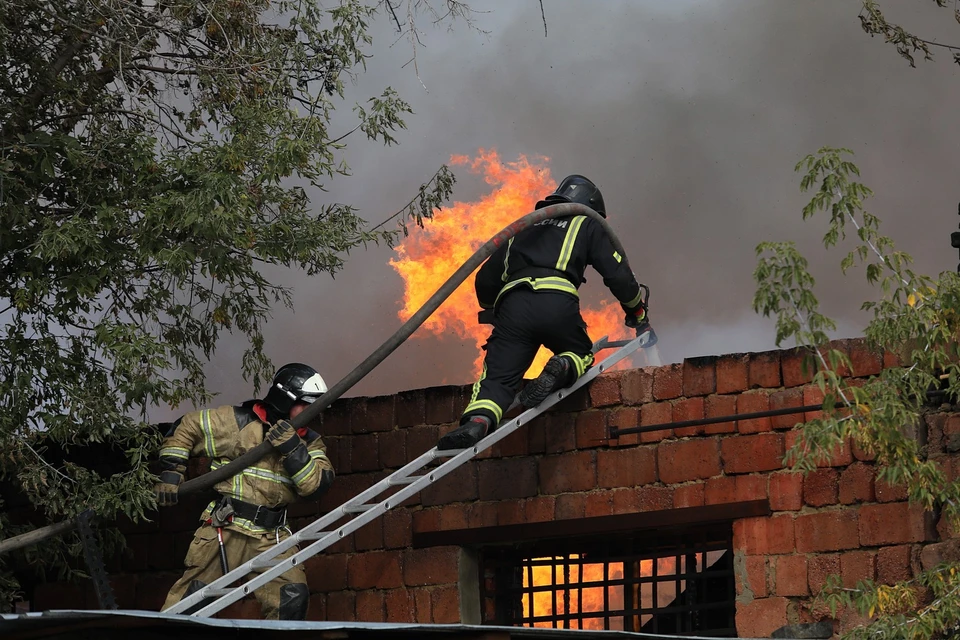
[[258, 514], [541, 272]]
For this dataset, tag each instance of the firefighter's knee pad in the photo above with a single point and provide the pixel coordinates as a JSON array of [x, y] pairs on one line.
[[293, 601]]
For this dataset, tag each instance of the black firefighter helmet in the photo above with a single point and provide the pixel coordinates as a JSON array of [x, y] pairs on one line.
[[294, 382], [576, 188]]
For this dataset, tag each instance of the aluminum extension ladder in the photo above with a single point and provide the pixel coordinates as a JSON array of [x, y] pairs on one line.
[[372, 503]]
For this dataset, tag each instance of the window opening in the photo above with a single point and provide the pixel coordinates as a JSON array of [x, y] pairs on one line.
[[678, 582]]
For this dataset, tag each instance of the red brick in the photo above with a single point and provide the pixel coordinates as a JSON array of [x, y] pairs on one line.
[[482, 514], [605, 390], [423, 609], [866, 361], [598, 503], [571, 506], [434, 565], [560, 433], [791, 572], [893, 523], [827, 531], [507, 478], [764, 535], [370, 606], [591, 430], [785, 399], [636, 386], [720, 490], [753, 402], [746, 454], [760, 617], [860, 453], [336, 418], [426, 520], [716, 407], [688, 409], [317, 607], [732, 373], [688, 460], [460, 485], [422, 439], [515, 444], [699, 376], [843, 346], [648, 498], [688, 495], [445, 603], [856, 484], [668, 382], [857, 565], [568, 472], [374, 570], [890, 493], [510, 512], [819, 568], [399, 606], [656, 413], [626, 467], [369, 536], [820, 487], [751, 487], [786, 491], [939, 553], [409, 408], [840, 456], [343, 489], [893, 564], [798, 366], [891, 360], [393, 449], [812, 395], [539, 509], [342, 606], [624, 418], [442, 404], [455, 516], [380, 415], [366, 453], [397, 528], [754, 579], [763, 370]]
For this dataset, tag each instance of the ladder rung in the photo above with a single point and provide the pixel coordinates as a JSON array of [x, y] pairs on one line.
[[312, 536], [357, 508], [216, 593], [264, 564], [406, 480], [446, 453]]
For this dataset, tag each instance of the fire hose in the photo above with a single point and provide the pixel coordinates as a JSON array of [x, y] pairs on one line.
[[208, 480]]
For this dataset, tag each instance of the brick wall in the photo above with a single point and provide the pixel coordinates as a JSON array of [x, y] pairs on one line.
[[835, 520]]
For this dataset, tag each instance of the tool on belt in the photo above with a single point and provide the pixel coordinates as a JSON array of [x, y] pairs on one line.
[[227, 508]]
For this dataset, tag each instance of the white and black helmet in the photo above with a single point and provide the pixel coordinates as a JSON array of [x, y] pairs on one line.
[[294, 382]]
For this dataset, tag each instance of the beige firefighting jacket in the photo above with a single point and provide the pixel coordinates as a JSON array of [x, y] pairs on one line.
[[225, 433]]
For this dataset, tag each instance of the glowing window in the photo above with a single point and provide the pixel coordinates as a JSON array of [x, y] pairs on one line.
[[675, 582]]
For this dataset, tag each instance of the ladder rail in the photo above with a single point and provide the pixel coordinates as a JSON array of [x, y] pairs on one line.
[[225, 596]]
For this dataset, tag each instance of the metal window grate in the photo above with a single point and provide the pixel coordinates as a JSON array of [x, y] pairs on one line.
[[679, 582]]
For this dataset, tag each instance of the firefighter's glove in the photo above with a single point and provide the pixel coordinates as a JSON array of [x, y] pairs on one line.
[[636, 318], [166, 490], [283, 436]]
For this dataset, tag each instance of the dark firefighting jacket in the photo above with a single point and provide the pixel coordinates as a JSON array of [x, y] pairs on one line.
[[552, 255], [225, 433]]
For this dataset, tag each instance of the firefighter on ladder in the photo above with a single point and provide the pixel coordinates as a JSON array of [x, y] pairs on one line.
[[250, 514], [528, 292]]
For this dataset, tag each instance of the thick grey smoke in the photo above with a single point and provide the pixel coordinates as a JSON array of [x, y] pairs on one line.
[[690, 116]]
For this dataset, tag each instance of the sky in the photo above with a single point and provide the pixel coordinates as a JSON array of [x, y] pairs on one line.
[[689, 115]]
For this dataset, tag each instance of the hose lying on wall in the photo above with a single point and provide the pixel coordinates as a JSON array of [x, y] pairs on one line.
[[208, 480]]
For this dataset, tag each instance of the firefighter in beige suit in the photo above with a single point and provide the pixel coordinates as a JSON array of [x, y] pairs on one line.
[[251, 509]]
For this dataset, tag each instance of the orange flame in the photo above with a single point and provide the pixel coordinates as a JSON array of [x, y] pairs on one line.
[[428, 257], [590, 599]]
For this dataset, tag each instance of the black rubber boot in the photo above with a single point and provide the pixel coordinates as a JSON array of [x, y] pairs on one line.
[[555, 375], [466, 435]]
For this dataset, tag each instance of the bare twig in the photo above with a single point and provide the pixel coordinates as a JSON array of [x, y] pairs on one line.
[[544, 17]]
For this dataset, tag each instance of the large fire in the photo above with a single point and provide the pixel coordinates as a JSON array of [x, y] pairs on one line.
[[428, 257]]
